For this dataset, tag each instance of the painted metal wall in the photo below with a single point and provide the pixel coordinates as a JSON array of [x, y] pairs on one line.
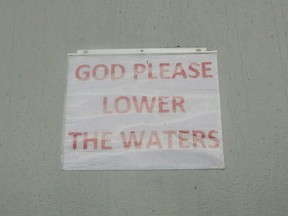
[[252, 43]]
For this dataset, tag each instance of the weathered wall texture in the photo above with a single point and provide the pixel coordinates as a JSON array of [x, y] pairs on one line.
[[252, 43]]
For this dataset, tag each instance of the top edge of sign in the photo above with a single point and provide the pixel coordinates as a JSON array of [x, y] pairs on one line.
[[142, 51]]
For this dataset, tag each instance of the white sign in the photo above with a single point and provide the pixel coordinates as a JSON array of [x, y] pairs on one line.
[[142, 110]]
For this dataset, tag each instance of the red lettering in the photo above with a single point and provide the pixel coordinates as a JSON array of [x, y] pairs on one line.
[[144, 102], [96, 71], [170, 138], [197, 139], [127, 103], [182, 139], [194, 70], [132, 138], [213, 138], [150, 72], [205, 69], [75, 135], [138, 69], [178, 104], [179, 70], [104, 140], [164, 70], [105, 106], [113, 71], [163, 103], [94, 140], [85, 75], [154, 140]]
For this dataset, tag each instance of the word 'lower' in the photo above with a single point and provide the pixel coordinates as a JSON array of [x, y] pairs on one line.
[[124, 104]]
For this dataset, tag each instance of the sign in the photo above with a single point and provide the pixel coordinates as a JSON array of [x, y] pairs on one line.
[[143, 109]]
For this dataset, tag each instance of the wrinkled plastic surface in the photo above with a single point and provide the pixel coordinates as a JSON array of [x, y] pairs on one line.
[[162, 112]]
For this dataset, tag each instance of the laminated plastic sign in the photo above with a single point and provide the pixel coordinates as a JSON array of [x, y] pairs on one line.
[[142, 109]]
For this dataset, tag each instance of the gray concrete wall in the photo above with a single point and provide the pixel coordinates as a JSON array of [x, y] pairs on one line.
[[252, 41]]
